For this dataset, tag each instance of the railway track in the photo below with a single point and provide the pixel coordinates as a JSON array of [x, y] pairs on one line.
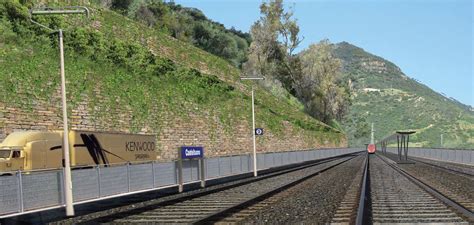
[[394, 196], [441, 178], [346, 212], [456, 171], [226, 204], [249, 215]]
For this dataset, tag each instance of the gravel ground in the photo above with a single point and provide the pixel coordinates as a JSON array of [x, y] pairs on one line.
[[313, 201], [458, 167], [454, 186]]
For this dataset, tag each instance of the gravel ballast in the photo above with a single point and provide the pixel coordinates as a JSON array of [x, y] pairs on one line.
[[203, 206], [458, 187], [397, 199], [464, 168], [95, 211], [314, 201]]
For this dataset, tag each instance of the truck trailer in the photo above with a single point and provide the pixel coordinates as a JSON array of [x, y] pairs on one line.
[[33, 150]]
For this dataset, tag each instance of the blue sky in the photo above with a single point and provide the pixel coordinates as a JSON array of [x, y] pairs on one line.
[[430, 40]]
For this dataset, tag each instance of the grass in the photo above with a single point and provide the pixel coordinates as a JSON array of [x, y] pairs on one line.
[[120, 66]]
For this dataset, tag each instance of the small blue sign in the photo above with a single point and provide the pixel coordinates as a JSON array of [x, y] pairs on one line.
[[191, 152], [258, 131]]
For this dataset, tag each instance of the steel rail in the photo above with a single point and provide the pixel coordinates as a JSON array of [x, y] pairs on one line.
[[443, 198], [363, 194], [239, 206]]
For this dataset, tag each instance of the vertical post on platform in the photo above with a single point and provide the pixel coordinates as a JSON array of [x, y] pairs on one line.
[[406, 150], [254, 143], [67, 164], [128, 176], [67, 168], [405, 145], [253, 124], [98, 181], [153, 173], [399, 148], [180, 171], [21, 204], [202, 173]]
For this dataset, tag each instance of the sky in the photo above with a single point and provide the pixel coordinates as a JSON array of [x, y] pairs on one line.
[[430, 40]]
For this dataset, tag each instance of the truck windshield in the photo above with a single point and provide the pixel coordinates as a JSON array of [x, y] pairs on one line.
[[5, 154]]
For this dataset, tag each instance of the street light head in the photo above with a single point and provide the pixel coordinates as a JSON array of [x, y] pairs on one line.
[[61, 10], [56, 11]]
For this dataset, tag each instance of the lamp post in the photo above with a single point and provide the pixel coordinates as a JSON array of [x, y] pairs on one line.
[[253, 124], [67, 165]]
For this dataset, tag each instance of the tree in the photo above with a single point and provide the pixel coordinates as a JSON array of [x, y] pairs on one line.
[[312, 76], [325, 96], [145, 15], [275, 36], [263, 50], [121, 5], [224, 45]]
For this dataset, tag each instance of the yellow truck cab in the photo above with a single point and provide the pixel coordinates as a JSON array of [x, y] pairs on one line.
[[27, 150], [33, 150]]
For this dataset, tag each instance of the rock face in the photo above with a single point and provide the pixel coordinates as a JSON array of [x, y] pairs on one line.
[[375, 66], [354, 57], [384, 95]]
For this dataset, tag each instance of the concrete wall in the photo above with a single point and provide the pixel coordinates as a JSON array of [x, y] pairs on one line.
[[448, 155]]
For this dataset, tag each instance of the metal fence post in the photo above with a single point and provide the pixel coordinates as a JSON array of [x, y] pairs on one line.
[[241, 167], [202, 173], [219, 166], [472, 157], [20, 192], [63, 174], [273, 159], [180, 174], [153, 172], [98, 180], [249, 162], [231, 171], [128, 175]]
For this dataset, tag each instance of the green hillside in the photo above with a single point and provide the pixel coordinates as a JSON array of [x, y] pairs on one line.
[[133, 67], [382, 94]]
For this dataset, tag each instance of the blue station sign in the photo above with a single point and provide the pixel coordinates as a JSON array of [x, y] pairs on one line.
[[192, 152]]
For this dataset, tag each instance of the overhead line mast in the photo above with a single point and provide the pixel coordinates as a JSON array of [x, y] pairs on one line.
[[372, 135]]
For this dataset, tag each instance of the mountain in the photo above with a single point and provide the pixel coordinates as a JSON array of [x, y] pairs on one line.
[[382, 94]]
